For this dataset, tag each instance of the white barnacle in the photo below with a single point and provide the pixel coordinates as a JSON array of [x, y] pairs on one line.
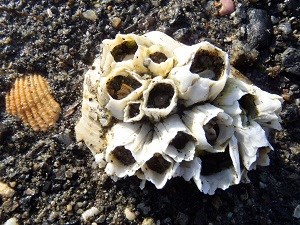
[[219, 170], [176, 140], [160, 98], [157, 109], [121, 51], [201, 72], [211, 127], [122, 86]]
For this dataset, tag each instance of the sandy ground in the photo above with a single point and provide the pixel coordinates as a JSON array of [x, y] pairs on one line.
[[54, 179]]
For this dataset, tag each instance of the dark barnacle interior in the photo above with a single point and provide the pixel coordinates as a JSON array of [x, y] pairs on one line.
[[158, 57], [158, 164], [123, 155], [212, 131], [180, 140], [127, 48], [160, 96], [208, 63], [134, 109], [121, 86], [247, 103], [213, 163]]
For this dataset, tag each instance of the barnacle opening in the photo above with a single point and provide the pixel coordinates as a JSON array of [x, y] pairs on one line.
[[247, 103], [123, 155], [158, 57], [208, 63], [120, 86], [160, 96], [134, 109], [211, 130], [181, 140], [124, 51], [213, 163], [158, 164]]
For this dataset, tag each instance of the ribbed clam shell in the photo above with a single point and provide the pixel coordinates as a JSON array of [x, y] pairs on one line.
[[30, 99], [160, 98]]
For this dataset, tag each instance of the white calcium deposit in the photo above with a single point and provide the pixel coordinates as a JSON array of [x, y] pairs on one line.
[[157, 109]]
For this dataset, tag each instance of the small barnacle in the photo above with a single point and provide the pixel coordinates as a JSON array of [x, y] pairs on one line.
[[158, 164], [247, 103], [208, 64], [31, 100], [121, 86], [215, 162], [123, 155], [160, 98], [124, 51]]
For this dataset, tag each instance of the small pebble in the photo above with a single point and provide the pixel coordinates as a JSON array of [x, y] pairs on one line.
[[6, 191], [297, 212], [116, 22], [90, 213], [129, 214], [148, 221], [90, 15]]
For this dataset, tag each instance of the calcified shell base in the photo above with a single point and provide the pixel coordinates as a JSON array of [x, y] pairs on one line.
[[157, 109]]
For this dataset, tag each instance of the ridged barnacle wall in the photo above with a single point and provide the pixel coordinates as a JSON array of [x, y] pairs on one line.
[[155, 108]]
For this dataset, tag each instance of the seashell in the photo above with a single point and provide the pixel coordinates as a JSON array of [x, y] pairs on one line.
[[253, 145], [31, 100], [156, 109], [239, 97], [160, 98], [122, 86], [201, 72], [159, 169], [211, 127], [219, 170], [121, 51], [176, 140], [156, 60]]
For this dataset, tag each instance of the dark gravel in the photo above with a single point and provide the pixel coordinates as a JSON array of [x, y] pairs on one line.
[[55, 179]]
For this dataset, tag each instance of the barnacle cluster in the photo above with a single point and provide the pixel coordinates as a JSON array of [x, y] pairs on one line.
[[30, 99], [155, 108]]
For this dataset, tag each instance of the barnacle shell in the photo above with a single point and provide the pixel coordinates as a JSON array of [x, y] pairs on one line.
[[31, 100], [156, 109], [122, 86], [211, 127], [201, 72], [160, 98]]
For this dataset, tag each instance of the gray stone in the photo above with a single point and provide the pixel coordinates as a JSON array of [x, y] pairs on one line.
[[259, 29], [291, 61]]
